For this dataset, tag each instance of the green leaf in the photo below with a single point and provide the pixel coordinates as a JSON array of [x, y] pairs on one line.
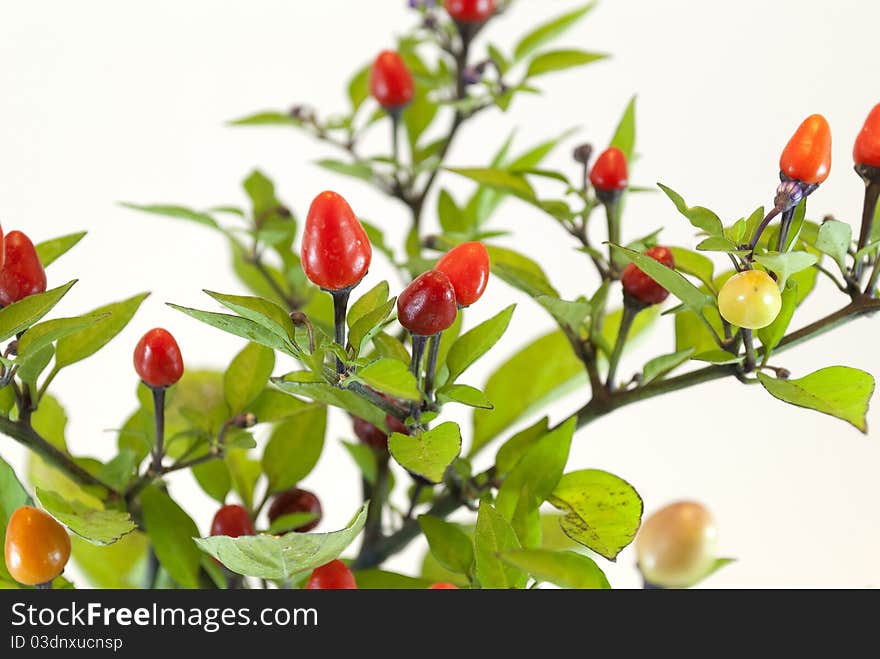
[[390, 347], [266, 118], [537, 473], [695, 264], [603, 511], [265, 313], [244, 472], [838, 391], [834, 239], [120, 565], [329, 395], [570, 314], [365, 459], [20, 315], [373, 298], [493, 536], [464, 394], [771, 335], [559, 60], [294, 447], [477, 342], [100, 527], [86, 342], [281, 557], [418, 116], [171, 533], [701, 218], [566, 569], [717, 244], [359, 87], [12, 497], [520, 271], [429, 453], [214, 478], [501, 179], [358, 170], [179, 212], [44, 334], [452, 219], [512, 451], [672, 281], [451, 546], [287, 523], [369, 325], [392, 377], [660, 366], [552, 368], [50, 251], [247, 376], [717, 356], [625, 134], [549, 31], [786, 264], [241, 327]]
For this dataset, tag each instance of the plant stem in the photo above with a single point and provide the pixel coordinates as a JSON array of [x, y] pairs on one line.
[[630, 311], [152, 569], [784, 228], [872, 195], [340, 307], [448, 502], [159, 416], [749, 345], [373, 526], [24, 434], [44, 586], [760, 230], [415, 367], [431, 365], [612, 208]]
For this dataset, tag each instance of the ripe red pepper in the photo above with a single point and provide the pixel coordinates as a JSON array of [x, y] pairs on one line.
[[867, 148], [157, 359], [470, 11], [639, 286], [22, 274], [296, 500], [443, 585], [335, 575], [467, 267], [232, 520], [807, 156], [336, 252], [427, 306], [391, 83], [609, 173], [374, 436]]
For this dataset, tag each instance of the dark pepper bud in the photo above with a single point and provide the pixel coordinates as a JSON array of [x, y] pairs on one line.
[[583, 153], [244, 421]]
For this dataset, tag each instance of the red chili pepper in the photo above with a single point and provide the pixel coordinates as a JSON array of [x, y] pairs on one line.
[[470, 11], [427, 306], [467, 267], [374, 436], [609, 173], [639, 286], [22, 274], [867, 147], [335, 575], [336, 252], [807, 156], [296, 500], [157, 359], [232, 520], [443, 585], [391, 83]]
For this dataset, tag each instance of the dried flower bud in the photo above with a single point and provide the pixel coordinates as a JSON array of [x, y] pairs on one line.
[[583, 153], [471, 75], [788, 195], [246, 420]]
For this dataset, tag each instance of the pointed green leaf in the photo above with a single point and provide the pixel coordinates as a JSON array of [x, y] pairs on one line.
[[450, 545], [669, 279], [838, 391], [475, 343], [625, 135], [179, 212], [559, 60], [660, 366], [494, 535], [566, 569], [100, 527], [171, 533], [294, 447], [392, 377], [50, 251], [549, 31], [701, 218], [247, 376], [21, 315], [834, 239], [429, 453], [786, 264]]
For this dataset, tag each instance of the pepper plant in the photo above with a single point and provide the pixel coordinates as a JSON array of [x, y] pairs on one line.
[[393, 356]]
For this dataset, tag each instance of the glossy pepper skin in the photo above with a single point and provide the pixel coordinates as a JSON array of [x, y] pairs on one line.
[[867, 147], [750, 299], [610, 173], [296, 500], [22, 274], [807, 156], [232, 520], [336, 252], [335, 575], [467, 267], [470, 11], [639, 286], [391, 83], [427, 306], [374, 436], [36, 548], [157, 359], [443, 585]]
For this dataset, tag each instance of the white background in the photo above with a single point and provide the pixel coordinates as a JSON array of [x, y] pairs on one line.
[[106, 101]]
